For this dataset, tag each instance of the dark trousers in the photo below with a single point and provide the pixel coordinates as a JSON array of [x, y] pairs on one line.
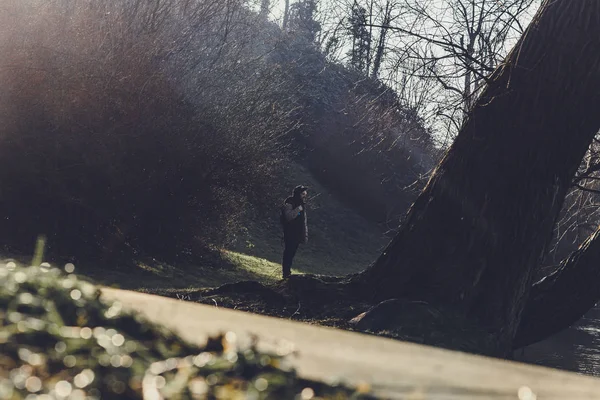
[[291, 246]]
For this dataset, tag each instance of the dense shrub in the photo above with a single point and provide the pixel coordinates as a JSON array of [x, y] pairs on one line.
[[152, 127], [107, 141]]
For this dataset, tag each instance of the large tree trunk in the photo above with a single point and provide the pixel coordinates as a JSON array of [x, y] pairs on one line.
[[560, 299], [476, 234]]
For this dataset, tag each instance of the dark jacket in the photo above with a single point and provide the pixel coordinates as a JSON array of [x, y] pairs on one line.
[[294, 221]]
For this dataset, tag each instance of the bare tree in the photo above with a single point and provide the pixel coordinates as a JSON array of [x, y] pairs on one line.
[[440, 51], [581, 212], [456, 44], [381, 40], [473, 240], [286, 15]]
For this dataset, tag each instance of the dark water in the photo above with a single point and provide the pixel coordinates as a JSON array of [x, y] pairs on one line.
[[575, 349]]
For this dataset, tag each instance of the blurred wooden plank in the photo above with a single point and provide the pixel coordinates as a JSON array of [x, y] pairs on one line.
[[394, 369]]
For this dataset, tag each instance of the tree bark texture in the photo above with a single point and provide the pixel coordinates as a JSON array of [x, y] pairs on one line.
[[560, 299], [476, 234]]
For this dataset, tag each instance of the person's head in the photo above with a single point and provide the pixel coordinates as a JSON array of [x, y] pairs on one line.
[[300, 192]]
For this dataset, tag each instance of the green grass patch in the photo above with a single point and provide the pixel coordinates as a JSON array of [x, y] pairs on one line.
[[261, 269], [148, 275], [341, 241]]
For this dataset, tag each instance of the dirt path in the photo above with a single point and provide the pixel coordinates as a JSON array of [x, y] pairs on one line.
[[394, 369]]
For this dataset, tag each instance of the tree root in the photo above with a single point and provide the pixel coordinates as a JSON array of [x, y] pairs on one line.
[[421, 322], [337, 302]]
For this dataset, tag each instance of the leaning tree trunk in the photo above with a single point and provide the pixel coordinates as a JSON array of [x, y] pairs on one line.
[[560, 299], [476, 234]]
